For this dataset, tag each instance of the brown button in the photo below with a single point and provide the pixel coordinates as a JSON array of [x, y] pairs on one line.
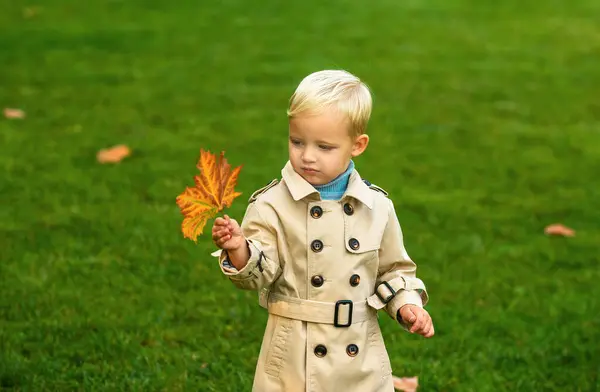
[[354, 244], [316, 246], [348, 209], [320, 351], [317, 281], [352, 350], [316, 212], [354, 280]]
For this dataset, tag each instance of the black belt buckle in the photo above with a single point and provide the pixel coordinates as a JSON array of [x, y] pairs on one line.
[[337, 310], [390, 297]]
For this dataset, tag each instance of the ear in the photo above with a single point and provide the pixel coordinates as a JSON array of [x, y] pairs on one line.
[[360, 145]]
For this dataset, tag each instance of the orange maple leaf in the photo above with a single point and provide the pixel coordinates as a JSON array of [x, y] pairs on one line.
[[213, 192]]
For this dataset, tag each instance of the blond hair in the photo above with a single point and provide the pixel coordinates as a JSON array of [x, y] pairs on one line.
[[337, 88]]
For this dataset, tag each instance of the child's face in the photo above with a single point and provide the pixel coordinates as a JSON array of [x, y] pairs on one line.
[[320, 146]]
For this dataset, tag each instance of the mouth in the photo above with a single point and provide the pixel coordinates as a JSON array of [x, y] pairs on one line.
[[309, 170]]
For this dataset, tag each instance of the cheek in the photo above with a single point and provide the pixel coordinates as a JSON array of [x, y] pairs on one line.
[[293, 151], [339, 160]]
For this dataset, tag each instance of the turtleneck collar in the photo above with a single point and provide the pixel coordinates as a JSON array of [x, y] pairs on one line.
[[335, 189]]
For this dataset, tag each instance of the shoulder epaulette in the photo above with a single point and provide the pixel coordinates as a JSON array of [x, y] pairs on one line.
[[375, 187], [262, 190]]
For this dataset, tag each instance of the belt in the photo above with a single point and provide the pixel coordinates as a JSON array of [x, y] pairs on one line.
[[341, 313]]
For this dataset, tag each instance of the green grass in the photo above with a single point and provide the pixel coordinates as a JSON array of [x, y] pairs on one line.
[[486, 128]]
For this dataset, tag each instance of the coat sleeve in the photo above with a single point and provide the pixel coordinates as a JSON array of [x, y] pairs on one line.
[[398, 271], [263, 267]]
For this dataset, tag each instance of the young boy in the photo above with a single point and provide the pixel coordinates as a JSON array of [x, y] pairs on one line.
[[325, 250]]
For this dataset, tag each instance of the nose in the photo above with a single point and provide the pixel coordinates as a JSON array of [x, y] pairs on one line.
[[308, 155]]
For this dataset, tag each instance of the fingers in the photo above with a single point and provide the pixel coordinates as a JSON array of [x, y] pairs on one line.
[[221, 236], [423, 324], [419, 322], [431, 331], [220, 230], [224, 222], [221, 221], [224, 229], [408, 315], [427, 329]]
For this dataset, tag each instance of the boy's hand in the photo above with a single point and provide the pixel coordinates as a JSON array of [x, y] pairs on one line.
[[419, 320], [227, 234]]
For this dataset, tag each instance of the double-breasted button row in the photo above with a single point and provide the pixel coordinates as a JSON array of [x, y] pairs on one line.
[[317, 212], [320, 350], [317, 245], [317, 280]]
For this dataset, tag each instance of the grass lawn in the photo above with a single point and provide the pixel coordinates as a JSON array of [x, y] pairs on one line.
[[486, 128]]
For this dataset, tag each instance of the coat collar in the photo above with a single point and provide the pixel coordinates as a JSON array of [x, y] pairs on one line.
[[300, 188]]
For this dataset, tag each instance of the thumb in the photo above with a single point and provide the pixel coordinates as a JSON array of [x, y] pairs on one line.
[[236, 226], [410, 316]]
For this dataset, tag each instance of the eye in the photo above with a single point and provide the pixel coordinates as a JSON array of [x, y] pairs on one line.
[[326, 148], [295, 142]]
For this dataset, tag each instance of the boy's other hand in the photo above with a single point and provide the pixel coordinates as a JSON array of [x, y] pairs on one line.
[[419, 320], [227, 234]]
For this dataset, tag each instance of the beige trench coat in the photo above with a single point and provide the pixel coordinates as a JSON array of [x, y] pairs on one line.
[[315, 264]]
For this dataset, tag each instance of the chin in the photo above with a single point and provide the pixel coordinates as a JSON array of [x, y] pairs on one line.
[[312, 180]]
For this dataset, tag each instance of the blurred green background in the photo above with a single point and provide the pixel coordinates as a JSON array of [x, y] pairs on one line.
[[486, 128]]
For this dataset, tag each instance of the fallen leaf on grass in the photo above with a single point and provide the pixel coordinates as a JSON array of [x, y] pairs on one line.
[[406, 384], [13, 113], [114, 154], [559, 229], [213, 192]]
